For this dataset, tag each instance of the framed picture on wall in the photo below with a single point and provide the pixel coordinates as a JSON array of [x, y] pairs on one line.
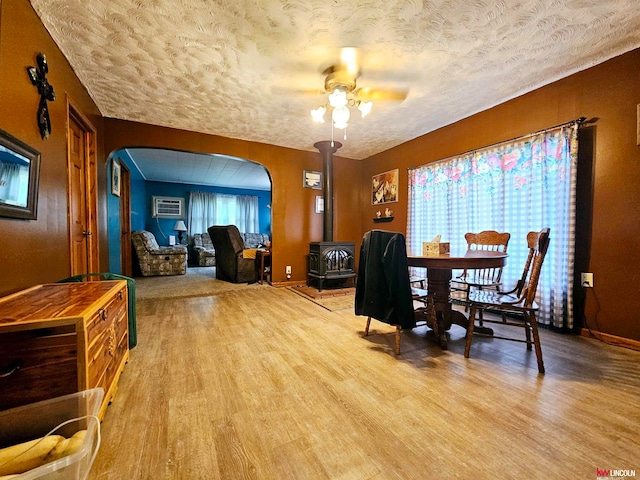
[[115, 177], [19, 178], [312, 179], [384, 187]]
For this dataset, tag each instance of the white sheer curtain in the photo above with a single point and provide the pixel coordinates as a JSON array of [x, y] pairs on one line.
[[202, 212], [247, 219], [208, 208], [518, 186]]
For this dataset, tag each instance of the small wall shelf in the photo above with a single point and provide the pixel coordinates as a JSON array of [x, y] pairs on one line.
[[382, 219]]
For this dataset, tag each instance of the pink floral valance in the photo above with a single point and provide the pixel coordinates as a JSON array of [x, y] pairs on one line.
[[512, 162]]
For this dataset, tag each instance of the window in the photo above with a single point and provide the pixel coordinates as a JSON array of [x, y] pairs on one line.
[[517, 186], [207, 209]]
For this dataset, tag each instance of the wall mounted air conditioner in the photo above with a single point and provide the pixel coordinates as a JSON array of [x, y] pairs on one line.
[[167, 207]]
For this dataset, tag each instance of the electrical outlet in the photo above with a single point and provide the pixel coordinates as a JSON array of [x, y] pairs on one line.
[[587, 280], [288, 269]]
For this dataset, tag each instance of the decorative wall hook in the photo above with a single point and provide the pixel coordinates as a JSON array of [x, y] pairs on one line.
[[37, 75]]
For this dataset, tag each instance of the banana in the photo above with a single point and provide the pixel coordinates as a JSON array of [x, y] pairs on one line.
[[58, 451], [75, 442], [66, 446], [28, 455]]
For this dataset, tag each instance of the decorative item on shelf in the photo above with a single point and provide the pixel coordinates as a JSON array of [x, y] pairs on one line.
[[180, 227], [38, 77], [387, 217]]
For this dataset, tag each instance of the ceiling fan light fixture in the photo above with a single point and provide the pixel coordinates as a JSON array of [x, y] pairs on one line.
[[338, 98], [340, 117], [364, 107], [342, 93], [318, 114]]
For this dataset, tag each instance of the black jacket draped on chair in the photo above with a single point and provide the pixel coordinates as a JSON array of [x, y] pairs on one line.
[[382, 288]]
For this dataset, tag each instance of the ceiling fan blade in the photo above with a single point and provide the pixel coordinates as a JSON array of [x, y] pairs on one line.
[[308, 91], [378, 94], [349, 63], [350, 58]]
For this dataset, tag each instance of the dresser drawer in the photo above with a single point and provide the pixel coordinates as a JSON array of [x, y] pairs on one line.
[[105, 316], [98, 361], [106, 353], [120, 348], [37, 364]]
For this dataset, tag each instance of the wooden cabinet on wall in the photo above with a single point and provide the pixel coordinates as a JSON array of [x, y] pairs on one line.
[[62, 338]]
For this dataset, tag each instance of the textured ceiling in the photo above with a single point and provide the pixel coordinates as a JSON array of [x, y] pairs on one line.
[[239, 68]]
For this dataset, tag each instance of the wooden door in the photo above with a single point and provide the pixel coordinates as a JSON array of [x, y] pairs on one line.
[[126, 266], [83, 227]]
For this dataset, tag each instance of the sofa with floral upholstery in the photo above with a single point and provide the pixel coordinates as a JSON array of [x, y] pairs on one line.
[[254, 240], [157, 260], [205, 254]]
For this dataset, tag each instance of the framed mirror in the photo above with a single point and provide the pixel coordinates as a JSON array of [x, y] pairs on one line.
[[19, 178]]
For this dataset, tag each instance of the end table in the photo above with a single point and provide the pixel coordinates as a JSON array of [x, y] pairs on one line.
[[263, 264]]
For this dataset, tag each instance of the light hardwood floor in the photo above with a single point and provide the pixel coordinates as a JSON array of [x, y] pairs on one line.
[[262, 383]]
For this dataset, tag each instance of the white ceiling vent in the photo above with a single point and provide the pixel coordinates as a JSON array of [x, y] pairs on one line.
[[168, 207]]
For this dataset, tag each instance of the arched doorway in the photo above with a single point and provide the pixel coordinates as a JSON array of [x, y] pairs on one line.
[[155, 172]]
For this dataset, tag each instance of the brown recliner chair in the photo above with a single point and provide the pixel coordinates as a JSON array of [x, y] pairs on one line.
[[231, 264]]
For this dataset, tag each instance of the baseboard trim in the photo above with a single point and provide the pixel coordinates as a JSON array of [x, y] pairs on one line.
[[613, 339], [286, 284]]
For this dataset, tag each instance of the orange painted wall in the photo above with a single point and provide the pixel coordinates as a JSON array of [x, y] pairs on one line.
[[608, 184], [294, 221], [37, 251]]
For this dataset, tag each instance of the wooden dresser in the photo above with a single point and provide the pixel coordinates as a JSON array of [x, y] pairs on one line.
[[61, 338]]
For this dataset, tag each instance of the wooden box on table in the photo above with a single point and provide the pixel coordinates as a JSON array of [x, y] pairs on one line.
[[62, 338]]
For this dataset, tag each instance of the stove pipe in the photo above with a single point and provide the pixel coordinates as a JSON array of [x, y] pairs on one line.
[[327, 149]]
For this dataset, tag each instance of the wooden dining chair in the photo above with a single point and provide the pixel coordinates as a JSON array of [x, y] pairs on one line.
[[480, 278], [383, 288], [422, 315], [516, 307], [419, 281]]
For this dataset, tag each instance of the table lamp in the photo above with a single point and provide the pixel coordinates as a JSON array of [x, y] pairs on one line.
[[180, 227]]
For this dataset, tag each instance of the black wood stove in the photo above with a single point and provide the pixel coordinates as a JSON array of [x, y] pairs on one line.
[[330, 261]]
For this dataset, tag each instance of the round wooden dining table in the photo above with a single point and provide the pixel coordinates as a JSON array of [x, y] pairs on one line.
[[439, 272]]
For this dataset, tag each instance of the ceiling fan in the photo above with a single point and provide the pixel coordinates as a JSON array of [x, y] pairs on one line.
[[340, 84]]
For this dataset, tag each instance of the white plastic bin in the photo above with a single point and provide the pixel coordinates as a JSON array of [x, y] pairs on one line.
[[58, 416]]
